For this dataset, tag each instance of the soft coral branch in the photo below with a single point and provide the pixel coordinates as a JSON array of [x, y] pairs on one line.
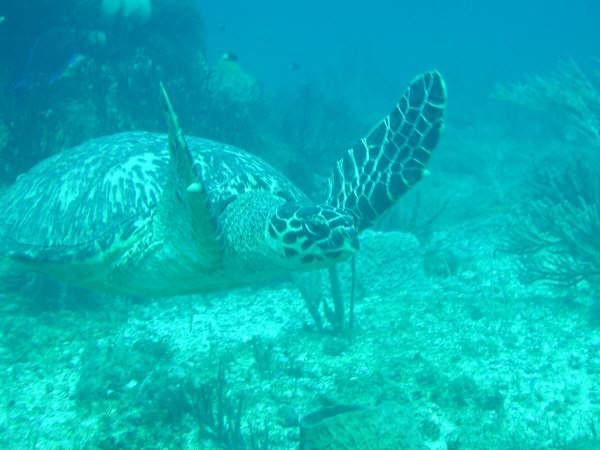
[[570, 95]]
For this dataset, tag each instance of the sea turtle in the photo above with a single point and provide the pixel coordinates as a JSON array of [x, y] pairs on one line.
[[150, 214]]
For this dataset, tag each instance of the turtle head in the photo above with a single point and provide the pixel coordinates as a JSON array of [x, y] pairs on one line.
[[312, 236]]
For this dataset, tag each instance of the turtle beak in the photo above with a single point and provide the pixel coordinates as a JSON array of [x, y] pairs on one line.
[[347, 239], [351, 243], [354, 243]]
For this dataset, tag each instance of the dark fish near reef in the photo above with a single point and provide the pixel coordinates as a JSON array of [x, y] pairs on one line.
[[53, 56], [229, 56]]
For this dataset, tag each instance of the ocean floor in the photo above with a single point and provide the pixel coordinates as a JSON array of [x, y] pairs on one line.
[[444, 329]]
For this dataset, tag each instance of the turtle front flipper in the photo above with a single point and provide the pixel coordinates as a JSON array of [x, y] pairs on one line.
[[391, 159], [185, 201]]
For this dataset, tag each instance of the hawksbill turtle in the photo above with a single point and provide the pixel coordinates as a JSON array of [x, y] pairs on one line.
[[150, 214]]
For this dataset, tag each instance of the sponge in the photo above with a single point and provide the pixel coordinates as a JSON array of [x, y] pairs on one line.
[[141, 9]]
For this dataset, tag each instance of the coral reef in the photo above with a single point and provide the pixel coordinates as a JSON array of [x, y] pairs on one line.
[[137, 8], [73, 75], [556, 227], [559, 233], [465, 355], [230, 83], [556, 233], [119, 60]]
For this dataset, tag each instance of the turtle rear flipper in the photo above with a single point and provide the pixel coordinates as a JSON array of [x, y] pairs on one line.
[[389, 160], [186, 193]]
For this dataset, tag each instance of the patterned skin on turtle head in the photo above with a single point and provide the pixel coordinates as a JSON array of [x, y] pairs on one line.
[[312, 236]]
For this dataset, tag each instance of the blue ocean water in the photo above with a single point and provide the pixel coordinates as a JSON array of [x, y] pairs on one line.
[[368, 267], [367, 51]]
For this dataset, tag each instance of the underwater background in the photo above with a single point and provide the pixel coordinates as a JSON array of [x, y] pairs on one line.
[[477, 315]]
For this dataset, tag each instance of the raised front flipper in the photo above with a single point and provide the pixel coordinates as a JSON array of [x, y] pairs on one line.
[[391, 159], [185, 198]]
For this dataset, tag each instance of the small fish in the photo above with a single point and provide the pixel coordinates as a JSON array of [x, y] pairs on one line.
[[67, 70], [2, 19], [229, 56], [52, 78], [53, 56]]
